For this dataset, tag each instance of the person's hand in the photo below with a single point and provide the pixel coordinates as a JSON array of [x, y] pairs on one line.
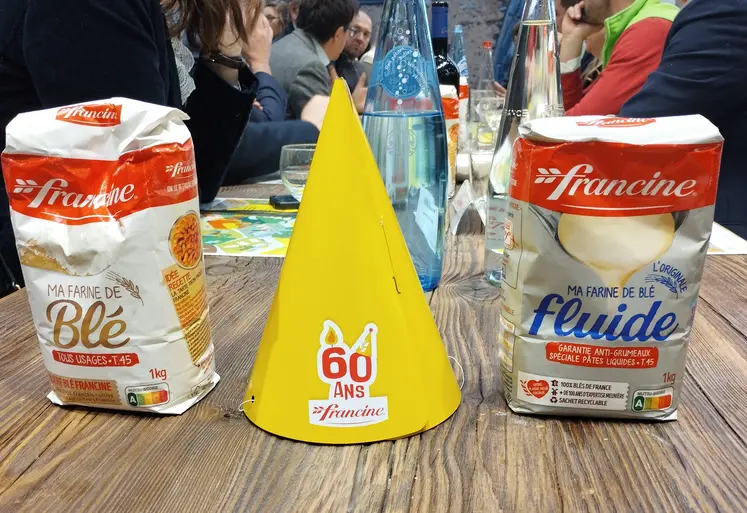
[[315, 110], [359, 94], [574, 27], [575, 31], [256, 51], [360, 91], [500, 91]]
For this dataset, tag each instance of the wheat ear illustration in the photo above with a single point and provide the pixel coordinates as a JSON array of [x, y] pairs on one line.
[[126, 284], [668, 282], [525, 388]]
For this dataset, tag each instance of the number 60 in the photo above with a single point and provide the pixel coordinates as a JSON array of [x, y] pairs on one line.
[[335, 365]]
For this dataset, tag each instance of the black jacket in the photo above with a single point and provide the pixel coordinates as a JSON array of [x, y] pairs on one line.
[[56, 52], [703, 70]]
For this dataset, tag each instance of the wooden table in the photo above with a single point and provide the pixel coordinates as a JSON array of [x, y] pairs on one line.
[[484, 459]]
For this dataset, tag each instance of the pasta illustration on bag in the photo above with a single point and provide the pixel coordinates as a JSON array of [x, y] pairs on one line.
[[104, 207]]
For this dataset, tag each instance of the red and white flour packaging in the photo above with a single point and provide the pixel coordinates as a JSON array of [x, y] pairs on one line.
[[104, 206], [606, 237]]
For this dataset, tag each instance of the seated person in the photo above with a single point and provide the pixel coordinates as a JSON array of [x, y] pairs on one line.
[[290, 22], [276, 12], [703, 71], [348, 65], [49, 58], [258, 152], [635, 32], [271, 99], [300, 61]]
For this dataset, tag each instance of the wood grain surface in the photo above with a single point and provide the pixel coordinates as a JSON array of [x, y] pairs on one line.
[[483, 459]]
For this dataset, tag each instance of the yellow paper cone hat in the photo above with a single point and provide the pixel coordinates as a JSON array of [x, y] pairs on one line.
[[350, 352]]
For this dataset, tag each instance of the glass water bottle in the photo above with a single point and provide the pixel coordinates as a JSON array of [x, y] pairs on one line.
[[404, 123], [533, 92]]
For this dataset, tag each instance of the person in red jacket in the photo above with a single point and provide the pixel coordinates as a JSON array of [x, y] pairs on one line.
[[635, 32]]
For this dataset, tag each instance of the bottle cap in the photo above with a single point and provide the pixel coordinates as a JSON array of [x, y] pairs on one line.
[[488, 45]]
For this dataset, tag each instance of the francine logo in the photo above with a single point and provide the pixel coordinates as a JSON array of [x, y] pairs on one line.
[[101, 114], [54, 192], [180, 168], [617, 122], [349, 371], [579, 180]]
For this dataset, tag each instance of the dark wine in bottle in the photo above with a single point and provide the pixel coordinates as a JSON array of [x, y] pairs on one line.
[[448, 73]]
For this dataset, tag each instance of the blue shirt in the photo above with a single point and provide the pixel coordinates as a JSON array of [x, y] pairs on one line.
[[504, 48], [703, 70]]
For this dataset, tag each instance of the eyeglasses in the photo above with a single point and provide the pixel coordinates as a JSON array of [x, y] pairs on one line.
[[353, 31]]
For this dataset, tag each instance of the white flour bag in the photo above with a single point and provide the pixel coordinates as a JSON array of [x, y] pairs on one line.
[[606, 237], [104, 206]]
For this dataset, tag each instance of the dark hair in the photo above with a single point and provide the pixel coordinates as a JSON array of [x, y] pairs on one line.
[[569, 3], [322, 18], [204, 20]]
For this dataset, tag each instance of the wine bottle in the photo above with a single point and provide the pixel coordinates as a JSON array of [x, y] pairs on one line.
[[448, 73], [448, 80]]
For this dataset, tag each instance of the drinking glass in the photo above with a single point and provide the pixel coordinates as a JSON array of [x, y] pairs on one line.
[[483, 126], [490, 111], [475, 97], [295, 161]]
